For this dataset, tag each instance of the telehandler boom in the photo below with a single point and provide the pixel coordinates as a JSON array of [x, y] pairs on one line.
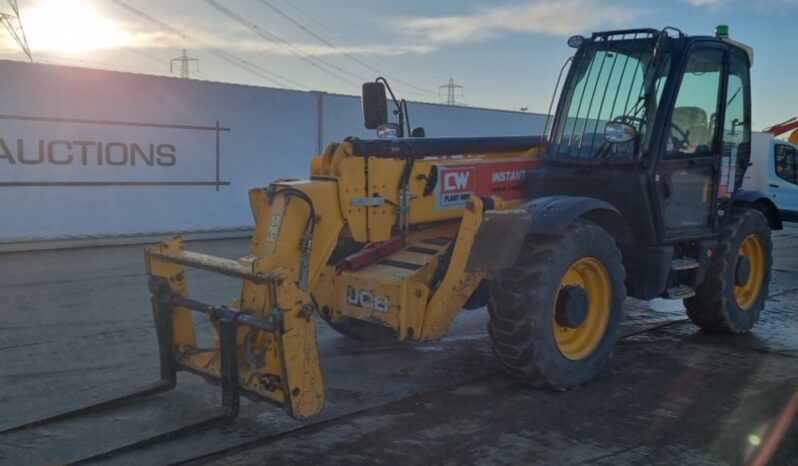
[[634, 190]]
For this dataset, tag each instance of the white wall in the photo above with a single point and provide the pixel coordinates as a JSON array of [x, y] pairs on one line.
[[62, 192], [343, 117]]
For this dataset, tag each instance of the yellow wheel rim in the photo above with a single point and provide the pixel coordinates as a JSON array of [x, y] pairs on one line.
[[590, 274], [747, 293]]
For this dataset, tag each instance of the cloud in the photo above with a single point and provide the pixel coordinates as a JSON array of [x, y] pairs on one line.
[[560, 18], [242, 43], [316, 50]]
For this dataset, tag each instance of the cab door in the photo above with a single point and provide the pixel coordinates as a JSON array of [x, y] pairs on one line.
[[783, 179], [686, 177]]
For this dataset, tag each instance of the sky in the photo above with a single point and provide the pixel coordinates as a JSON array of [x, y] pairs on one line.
[[506, 54]]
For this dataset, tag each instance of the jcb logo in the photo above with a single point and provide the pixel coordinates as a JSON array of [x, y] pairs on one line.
[[459, 180], [367, 300]]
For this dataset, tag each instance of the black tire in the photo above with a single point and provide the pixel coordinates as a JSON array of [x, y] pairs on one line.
[[479, 297], [714, 307], [523, 300], [359, 329]]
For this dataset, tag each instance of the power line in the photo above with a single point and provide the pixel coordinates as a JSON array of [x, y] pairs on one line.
[[58, 60], [252, 68], [319, 23], [315, 62], [13, 25], [126, 68], [209, 76], [343, 38], [185, 64], [146, 54], [336, 47], [241, 63]]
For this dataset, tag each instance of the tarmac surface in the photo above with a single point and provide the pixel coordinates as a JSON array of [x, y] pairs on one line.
[[76, 326]]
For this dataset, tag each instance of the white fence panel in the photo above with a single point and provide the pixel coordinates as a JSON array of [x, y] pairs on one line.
[[98, 153]]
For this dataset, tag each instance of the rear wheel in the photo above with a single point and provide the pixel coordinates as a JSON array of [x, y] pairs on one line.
[[733, 294], [556, 314]]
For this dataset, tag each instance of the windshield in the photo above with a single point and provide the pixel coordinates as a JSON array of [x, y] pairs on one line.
[[608, 84]]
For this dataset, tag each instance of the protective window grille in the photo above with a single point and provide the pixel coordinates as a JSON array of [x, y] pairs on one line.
[[608, 85]]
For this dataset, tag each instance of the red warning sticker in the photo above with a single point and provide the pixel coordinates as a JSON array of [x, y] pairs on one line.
[[505, 179]]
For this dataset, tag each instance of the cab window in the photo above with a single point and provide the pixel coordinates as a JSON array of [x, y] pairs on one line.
[[785, 163], [693, 121], [736, 127]]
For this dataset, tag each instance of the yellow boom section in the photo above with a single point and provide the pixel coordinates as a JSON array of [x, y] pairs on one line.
[[297, 225], [265, 342]]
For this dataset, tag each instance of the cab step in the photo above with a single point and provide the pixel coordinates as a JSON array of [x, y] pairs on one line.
[[684, 263], [679, 292]]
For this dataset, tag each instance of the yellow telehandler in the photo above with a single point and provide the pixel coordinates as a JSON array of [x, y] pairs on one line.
[[634, 190]]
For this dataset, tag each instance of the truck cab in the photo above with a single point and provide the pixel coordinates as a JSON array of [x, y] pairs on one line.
[[774, 170]]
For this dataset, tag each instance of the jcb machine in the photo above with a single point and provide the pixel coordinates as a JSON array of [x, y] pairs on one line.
[[635, 190]]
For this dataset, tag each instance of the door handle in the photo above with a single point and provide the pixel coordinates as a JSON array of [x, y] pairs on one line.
[[773, 185]]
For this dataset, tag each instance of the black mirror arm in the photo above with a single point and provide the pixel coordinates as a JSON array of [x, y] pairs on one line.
[[399, 110], [406, 122]]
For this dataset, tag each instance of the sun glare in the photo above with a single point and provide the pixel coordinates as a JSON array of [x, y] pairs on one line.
[[70, 26]]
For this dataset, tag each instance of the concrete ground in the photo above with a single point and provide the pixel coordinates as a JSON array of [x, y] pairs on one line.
[[76, 327]]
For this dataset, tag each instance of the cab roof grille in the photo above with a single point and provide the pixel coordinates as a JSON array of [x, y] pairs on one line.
[[625, 34]]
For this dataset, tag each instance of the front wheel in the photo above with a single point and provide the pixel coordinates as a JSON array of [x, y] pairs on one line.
[[733, 294], [555, 315]]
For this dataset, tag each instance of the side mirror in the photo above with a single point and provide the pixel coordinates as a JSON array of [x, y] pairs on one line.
[[375, 106], [619, 133], [418, 132]]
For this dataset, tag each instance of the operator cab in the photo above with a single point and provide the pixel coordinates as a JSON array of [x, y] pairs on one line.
[[611, 104], [657, 124]]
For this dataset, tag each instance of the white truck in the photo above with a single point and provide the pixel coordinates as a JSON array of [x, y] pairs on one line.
[[774, 170]]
